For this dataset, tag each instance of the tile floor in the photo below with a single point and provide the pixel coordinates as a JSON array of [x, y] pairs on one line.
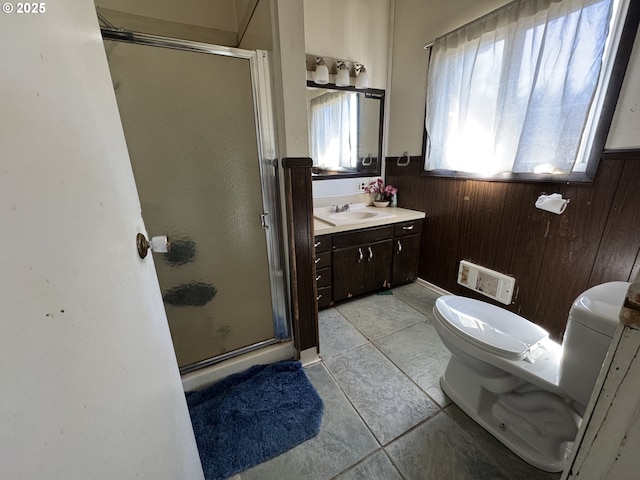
[[385, 416]]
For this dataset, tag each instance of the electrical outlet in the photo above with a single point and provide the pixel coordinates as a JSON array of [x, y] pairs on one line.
[[360, 186]]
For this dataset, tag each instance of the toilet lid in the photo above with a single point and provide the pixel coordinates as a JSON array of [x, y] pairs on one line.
[[492, 328]]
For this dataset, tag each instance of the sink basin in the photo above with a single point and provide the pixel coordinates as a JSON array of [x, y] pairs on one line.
[[356, 214], [353, 215]]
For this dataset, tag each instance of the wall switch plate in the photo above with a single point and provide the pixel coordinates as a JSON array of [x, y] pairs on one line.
[[360, 186]]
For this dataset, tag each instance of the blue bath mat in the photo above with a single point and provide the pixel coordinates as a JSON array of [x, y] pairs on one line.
[[253, 416]]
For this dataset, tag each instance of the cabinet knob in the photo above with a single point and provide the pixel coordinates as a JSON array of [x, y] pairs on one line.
[[318, 277], [316, 260], [318, 297], [317, 244]]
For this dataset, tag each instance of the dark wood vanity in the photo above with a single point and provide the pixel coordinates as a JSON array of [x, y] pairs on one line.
[[363, 260]]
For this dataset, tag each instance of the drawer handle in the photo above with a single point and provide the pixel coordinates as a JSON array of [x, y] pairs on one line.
[[318, 297], [360, 255], [399, 247], [316, 260], [370, 254], [317, 244], [320, 276], [410, 227]]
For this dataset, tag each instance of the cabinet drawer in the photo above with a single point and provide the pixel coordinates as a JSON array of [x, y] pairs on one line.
[[323, 243], [323, 260], [323, 277], [324, 297], [359, 237], [408, 228]]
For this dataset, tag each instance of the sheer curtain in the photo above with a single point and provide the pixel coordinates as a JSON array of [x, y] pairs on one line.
[[511, 92], [334, 122]]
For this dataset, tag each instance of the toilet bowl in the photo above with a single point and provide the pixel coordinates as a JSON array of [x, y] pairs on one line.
[[524, 388]]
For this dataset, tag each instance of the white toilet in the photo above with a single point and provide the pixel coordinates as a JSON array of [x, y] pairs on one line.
[[525, 389]]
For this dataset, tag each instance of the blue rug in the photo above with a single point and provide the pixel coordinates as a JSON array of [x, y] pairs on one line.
[[253, 416]]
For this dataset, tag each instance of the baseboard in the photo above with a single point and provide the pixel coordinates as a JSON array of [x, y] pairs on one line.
[[309, 356], [432, 287]]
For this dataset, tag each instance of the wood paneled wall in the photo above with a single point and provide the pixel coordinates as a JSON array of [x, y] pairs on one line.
[[299, 203], [552, 257]]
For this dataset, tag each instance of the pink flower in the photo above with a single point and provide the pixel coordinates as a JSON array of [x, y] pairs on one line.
[[378, 187]]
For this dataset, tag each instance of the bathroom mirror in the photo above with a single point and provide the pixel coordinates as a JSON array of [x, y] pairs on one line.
[[345, 131]]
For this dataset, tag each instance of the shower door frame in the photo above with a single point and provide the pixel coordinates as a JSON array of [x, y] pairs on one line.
[[269, 176]]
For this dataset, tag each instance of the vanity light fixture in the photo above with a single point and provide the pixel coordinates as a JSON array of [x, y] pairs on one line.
[[342, 78], [322, 72], [362, 78]]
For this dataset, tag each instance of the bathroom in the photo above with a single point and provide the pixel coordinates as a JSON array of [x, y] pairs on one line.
[[595, 241]]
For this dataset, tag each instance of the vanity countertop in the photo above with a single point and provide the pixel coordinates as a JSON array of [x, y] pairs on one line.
[[400, 215]]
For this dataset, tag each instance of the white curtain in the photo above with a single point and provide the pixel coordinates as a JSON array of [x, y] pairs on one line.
[[334, 122], [511, 92]]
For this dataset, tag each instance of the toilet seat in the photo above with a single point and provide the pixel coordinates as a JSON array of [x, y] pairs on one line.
[[488, 327]]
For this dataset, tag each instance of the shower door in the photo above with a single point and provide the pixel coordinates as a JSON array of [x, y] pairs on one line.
[[190, 118]]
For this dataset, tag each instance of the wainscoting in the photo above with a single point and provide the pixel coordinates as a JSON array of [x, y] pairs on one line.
[[552, 257]]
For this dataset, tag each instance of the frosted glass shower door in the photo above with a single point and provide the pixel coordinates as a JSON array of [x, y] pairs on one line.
[[190, 127]]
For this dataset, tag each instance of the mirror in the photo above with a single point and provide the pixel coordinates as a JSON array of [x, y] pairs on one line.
[[345, 131]]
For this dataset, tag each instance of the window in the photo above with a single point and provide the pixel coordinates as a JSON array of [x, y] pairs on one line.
[[524, 92], [334, 130]]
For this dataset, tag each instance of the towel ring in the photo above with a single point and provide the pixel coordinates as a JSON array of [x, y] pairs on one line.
[[366, 161], [399, 161]]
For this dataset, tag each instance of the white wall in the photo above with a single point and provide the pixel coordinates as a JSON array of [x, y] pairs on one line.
[[218, 14], [625, 127], [418, 23], [258, 33], [355, 30]]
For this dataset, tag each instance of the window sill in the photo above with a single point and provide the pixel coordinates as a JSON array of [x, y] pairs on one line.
[[581, 177]]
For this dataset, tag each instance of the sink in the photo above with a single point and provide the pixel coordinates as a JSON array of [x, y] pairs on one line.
[[352, 215], [358, 213]]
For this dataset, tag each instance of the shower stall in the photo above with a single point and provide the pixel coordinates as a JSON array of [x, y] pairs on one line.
[[198, 124]]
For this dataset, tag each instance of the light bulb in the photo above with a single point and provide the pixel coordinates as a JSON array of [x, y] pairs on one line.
[[322, 72], [362, 79], [342, 78]]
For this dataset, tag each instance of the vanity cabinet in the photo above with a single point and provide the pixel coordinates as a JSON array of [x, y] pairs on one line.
[[406, 251], [323, 270], [359, 261]]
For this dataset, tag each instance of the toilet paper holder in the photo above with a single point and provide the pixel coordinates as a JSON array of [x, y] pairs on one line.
[[553, 203]]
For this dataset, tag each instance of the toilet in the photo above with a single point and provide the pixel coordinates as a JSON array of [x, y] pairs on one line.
[[524, 388]]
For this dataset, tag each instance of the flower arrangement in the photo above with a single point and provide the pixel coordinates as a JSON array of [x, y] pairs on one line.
[[382, 192]]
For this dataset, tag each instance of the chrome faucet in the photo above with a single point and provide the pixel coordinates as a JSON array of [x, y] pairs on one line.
[[341, 208]]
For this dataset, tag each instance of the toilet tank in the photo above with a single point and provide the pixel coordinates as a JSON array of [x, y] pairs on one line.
[[593, 320]]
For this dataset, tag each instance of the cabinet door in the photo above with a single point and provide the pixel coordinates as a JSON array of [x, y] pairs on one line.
[[406, 253], [377, 269], [348, 272]]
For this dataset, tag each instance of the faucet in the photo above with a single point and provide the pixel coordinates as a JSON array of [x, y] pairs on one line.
[[341, 208]]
